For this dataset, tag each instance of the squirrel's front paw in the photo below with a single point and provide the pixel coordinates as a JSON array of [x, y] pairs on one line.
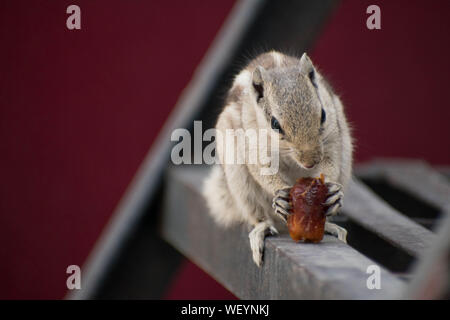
[[335, 198], [281, 203]]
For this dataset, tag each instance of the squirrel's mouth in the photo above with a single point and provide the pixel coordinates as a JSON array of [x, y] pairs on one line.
[[308, 164], [304, 165]]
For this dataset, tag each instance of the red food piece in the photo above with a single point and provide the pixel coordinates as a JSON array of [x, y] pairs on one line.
[[307, 221]]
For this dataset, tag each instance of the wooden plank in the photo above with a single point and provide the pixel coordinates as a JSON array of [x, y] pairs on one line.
[[431, 273], [328, 270], [365, 207], [444, 170], [416, 177]]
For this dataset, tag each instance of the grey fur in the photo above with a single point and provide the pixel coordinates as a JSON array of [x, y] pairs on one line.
[[239, 193]]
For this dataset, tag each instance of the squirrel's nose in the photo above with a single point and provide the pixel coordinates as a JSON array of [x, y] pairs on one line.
[[309, 158], [310, 163]]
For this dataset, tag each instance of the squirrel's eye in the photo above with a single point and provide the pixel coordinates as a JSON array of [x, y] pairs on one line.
[[323, 117], [275, 124], [259, 91]]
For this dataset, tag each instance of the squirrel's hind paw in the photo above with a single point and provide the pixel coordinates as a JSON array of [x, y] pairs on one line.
[[257, 236], [336, 231]]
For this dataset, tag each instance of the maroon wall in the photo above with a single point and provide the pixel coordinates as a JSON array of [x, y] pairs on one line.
[[79, 110], [394, 81]]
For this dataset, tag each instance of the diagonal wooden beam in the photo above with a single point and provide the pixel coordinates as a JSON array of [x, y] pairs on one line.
[[366, 208], [416, 177]]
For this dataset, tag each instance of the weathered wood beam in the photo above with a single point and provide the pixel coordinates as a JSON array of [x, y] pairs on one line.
[[328, 270], [366, 208], [414, 176], [431, 271]]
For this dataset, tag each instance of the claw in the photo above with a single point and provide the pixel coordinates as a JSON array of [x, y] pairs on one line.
[[334, 208], [283, 193], [273, 231], [282, 214], [281, 203], [336, 231], [334, 198], [333, 187]]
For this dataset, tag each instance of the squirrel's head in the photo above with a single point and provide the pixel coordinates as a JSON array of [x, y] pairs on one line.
[[297, 103]]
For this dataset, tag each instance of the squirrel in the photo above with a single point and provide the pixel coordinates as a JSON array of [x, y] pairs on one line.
[[289, 96]]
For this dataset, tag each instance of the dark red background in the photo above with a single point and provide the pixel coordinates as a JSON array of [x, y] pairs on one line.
[[394, 81], [79, 110]]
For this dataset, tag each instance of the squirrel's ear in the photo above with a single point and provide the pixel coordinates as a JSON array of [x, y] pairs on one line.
[[306, 65], [258, 76]]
